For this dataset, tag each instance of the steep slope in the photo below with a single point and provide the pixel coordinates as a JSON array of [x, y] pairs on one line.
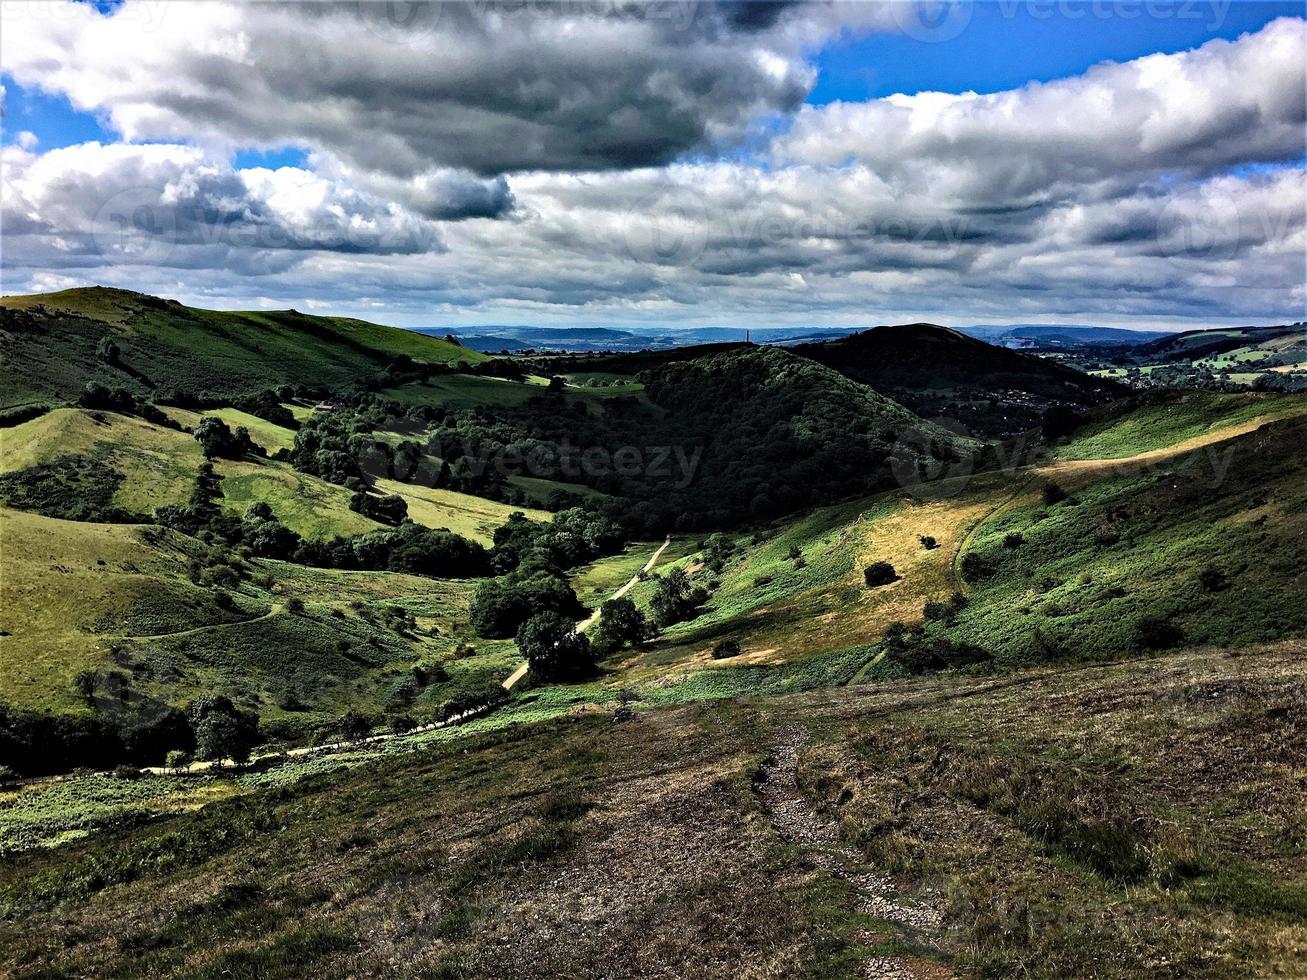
[[52, 347], [936, 371]]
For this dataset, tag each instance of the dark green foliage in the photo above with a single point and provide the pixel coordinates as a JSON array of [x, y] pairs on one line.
[[1013, 539], [97, 396], [937, 372], [879, 573], [1053, 494], [620, 623], [928, 542], [75, 488], [384, 509], [915, 652], [222, 731], [573, 537], [726, 649], [676, 599], [216, 439], [554, 649], [25, 413], [268, 405], [1157, 633], [409, 548], [354, 725], [265, 536], [975, 566], [503, 604], [1213, 579]]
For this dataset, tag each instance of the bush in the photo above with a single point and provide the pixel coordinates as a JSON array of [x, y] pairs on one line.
[[1013, 539], [296, 605], [879, 573], [177, 760], [354, 726], [975, 566], [927, 542], [1053, 494], [1157, 633], [126, 772], [1213, 579], [726, 649]]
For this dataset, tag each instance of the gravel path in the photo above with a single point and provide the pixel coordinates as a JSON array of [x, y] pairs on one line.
[[799, 823]]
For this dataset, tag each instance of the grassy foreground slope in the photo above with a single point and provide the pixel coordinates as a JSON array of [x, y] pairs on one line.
[[1114, 820], [51, 340]]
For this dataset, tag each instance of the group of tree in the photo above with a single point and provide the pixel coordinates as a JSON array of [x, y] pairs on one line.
[[383, 508], [410, 548], [211, 728], [217, 439], [621, 624], [102, 398], [555, 652]]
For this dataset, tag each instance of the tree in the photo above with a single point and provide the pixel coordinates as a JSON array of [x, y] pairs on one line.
[[879, 573], [216, 439], [675, 599], [554, 650], [354, 725], [222, 731], [620, 622], [177, 760]]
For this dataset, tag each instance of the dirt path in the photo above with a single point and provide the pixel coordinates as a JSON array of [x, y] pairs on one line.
[[593, 618], [798, 822], [276, 609]]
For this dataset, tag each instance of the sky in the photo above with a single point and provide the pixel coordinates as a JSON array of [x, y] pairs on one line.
[[664, 163]]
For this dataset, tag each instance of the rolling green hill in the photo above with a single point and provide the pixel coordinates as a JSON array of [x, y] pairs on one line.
[[51, 343], [937, 371]]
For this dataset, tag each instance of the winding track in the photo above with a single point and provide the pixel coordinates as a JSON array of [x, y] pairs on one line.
[[593, 618]]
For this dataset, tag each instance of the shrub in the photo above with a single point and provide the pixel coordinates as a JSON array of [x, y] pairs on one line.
[[296, 605], [1213, 579], [1013, 539], [177, 760], [354, 725], [927, 542], [126, 772], [675, 599], [879, 573], [726, 649], [1157, 633], [1053, 494]]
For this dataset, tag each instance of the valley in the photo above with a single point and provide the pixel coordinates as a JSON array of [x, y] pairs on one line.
[[916, 693]]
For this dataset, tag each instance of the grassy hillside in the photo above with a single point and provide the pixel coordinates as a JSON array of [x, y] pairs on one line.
[[944, 826], [51, 339], [157, 465], [936, 371]]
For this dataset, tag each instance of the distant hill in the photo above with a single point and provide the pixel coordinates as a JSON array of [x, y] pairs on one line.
[[936, 371], [1205, 343], [1059, 335], [52, 347]]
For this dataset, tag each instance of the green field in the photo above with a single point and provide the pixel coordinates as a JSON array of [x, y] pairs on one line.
[[266, 435], [310, 507], [472, 517], [158, 465], [168, 347]]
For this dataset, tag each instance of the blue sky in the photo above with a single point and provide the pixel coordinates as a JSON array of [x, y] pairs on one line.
[[1006, 44]]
